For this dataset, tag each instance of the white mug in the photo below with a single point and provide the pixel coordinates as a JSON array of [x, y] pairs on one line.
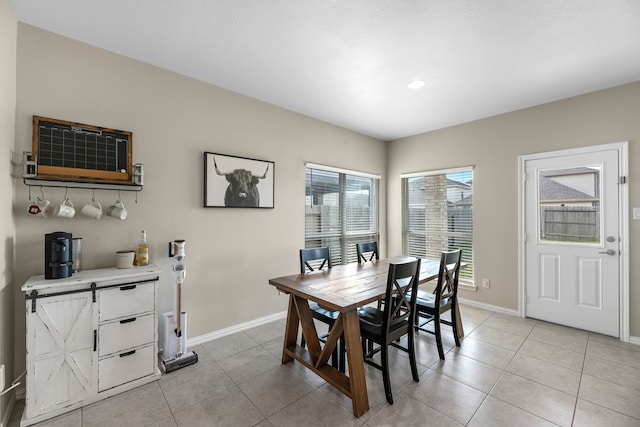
[[41, 207], [65, 209], [117, 211], [92, 210]]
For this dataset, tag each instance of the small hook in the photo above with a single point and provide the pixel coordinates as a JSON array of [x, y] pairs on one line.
[[93, 198], [29, 193], [66, 190], [42, 192], [136, 197], [118, 195]]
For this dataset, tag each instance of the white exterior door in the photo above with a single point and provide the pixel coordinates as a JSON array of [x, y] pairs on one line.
[[63, 359], [572, 242]]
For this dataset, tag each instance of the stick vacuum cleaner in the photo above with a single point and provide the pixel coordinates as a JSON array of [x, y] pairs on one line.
[[174, 327]]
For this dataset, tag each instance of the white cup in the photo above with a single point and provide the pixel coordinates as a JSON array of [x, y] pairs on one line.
[[117, 211], [124, 259], [39, 208], [92, 210], [65, 209]]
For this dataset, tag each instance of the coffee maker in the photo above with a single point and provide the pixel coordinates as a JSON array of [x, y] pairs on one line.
[[58, 256]]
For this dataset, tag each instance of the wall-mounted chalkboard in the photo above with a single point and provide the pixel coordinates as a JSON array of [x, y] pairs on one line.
[[77, 152]]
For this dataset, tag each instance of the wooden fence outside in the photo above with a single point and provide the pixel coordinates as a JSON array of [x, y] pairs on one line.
[[570, 223]]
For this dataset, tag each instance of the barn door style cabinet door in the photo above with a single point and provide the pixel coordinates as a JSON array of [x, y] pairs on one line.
[[89, 336], [63, 365]]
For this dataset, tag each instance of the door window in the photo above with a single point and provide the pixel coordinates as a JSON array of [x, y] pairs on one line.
[[569, 205]]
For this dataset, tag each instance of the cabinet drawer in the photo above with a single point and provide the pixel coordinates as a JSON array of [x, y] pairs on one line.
[[124, 367], [127, 300], [121, 335]]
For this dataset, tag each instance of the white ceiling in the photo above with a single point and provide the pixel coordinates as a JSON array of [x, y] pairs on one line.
[[348, 62]]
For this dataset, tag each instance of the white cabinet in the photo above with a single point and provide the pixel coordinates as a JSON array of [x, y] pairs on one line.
[[89, 336]]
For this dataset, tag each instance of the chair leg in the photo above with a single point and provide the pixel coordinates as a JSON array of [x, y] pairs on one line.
[[384, 353], [454, 323], [412, 355], [436, 327]]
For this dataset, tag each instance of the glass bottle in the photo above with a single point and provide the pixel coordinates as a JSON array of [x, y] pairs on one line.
[[142, 255], [76, 253]]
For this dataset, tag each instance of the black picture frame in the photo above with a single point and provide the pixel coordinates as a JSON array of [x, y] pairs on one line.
[[238, 182]]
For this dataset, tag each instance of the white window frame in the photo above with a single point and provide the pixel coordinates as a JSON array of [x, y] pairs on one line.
[[341, 240], [467, 280]]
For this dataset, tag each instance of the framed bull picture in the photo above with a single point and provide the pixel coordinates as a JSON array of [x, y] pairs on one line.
[[237, 182]]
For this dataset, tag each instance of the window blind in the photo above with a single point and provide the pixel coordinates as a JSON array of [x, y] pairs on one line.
[[341, 209], [438, 215]]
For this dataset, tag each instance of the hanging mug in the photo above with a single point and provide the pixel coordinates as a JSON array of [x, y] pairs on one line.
[[92, 210], [41, 207], [117, 211], [64, 210]]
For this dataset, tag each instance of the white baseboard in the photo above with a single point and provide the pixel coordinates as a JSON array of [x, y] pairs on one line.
[[489, 307], [235, 328], [634, 340]]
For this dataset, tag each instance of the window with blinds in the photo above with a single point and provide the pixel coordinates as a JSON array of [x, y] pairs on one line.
[[438, 215], [341, 210]]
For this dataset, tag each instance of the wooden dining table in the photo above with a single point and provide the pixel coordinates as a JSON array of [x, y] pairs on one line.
[[342, 288]]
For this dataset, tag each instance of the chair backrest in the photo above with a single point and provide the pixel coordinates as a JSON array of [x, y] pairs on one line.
[[369, 248], [321, 257], [448, 275], [399, 307]]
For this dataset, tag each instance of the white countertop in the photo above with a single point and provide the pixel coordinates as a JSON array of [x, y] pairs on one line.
[[102, 276]]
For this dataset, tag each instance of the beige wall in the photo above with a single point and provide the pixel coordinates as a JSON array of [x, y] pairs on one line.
[[8, 27], [492, 146], [231, 253]]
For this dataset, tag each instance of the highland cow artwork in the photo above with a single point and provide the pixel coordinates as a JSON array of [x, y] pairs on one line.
[[238, 182]]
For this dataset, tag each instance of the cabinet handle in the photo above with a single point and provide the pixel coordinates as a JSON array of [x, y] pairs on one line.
[[95, 339], [128, 353], [127, 288], [133, 319]]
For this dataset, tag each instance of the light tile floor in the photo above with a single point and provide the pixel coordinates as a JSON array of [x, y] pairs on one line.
[[508, 371]]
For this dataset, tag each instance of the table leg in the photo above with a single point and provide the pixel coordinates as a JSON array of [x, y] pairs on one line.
[[358, 385], [291, 330]]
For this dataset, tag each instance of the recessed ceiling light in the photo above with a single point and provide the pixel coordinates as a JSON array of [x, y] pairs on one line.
[[415, 84]]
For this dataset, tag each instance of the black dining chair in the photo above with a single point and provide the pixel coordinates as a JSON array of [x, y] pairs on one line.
[[386, 326], [367, 250], [315, 257], [312, 260], [444, 298]]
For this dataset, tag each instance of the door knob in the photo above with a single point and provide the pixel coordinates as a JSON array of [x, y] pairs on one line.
[[609, 252]]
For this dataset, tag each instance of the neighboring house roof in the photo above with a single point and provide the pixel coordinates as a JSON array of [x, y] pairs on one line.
[[551, 190], [465, 201], [451, 182]]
